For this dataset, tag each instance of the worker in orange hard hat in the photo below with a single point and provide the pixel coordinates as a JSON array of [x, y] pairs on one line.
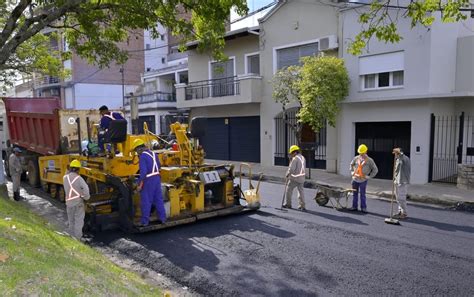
[[362, 169], [295, 176]]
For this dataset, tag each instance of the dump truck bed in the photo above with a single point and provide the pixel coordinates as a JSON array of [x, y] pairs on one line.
[[40, 126], [33, 124]]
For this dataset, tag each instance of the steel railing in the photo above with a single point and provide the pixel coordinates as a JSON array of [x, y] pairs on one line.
[[153, 97], [228, 86]]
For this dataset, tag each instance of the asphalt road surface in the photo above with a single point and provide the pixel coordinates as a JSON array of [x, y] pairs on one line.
[[321, 252]]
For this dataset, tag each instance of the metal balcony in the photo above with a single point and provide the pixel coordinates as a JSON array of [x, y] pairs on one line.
[[230, 90], [153, 97]]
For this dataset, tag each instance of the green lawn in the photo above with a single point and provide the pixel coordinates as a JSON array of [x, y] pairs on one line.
[[35, 260]]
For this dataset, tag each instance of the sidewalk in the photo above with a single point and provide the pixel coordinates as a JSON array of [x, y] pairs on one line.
[[433, 193]]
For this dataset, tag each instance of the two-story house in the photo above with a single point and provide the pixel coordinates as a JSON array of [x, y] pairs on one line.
[[244, 121], [410, 94]]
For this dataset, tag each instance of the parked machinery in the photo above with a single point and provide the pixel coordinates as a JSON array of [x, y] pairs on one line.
[[192, 190], [51, 138]]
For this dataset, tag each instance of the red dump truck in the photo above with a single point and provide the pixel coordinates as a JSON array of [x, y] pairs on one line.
[[39, 127]]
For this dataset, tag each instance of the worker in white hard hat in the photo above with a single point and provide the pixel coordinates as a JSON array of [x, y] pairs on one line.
[[77, 191], [295, 176], [14, 166], [362, 169]]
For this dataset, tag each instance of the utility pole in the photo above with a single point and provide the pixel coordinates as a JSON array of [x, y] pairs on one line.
[[122, 70]]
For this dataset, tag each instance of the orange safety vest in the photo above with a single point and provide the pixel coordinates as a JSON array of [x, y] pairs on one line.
[[71, 189], [155, 170], [360, 165]]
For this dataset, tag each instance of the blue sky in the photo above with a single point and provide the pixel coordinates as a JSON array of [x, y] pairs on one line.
[[256, 4]]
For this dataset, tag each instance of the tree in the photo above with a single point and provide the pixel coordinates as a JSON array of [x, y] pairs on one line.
[[380, 22], [324, 84], [317, 87], [286, 92], [93, 28]]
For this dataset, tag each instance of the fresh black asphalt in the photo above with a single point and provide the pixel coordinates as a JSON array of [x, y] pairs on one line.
[[321, 252]]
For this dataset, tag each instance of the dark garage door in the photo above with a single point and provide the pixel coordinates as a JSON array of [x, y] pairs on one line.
[[381, 138], [233, 138]]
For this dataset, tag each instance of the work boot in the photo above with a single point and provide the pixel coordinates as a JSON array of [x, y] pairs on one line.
[[16, 196]]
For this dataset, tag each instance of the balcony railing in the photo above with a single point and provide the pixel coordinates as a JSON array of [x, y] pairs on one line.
[[46, 80], [228, 86], [153, 97]]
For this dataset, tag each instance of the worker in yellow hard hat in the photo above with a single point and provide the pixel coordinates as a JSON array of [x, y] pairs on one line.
[[362, 169], [149, 183], [295, 176], [77, 191]]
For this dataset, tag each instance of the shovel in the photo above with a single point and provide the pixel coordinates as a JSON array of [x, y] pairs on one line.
[[391, 220], [283, 199]]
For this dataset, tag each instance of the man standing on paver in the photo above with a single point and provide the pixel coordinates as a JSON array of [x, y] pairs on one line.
[[295, 177], [362, 169], [401, 179], [77, 191], [15, 172]]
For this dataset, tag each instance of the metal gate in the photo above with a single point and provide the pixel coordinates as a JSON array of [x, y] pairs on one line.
[[451, 143], [313, 144]]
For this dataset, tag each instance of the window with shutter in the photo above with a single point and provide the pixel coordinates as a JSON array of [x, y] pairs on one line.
[[292, 55]]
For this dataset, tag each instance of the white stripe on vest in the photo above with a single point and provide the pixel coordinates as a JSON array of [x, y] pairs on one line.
[[302, 171], [71, 189], [110, 116], [155, 170]]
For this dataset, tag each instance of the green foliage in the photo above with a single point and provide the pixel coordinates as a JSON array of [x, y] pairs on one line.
[[324, 84], [37, 261], [381, 19], [100, 30], [317, 87]]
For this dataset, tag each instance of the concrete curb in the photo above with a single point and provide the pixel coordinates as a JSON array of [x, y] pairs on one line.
[[384, 195]]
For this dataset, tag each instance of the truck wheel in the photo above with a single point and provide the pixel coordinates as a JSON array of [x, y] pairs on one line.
[[57, 192], [33, 173], [61, 194], [45, 186]]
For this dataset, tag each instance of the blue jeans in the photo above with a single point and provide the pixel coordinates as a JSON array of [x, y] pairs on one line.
[[359, 188]]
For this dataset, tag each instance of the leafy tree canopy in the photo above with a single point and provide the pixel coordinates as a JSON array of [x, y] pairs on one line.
[[93, 28], [379, 21], [316, 88]]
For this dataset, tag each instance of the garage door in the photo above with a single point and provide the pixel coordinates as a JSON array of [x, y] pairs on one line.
[[233, 138], [381, 138]]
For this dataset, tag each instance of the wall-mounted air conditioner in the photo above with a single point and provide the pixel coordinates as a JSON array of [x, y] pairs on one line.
[[328, 43]]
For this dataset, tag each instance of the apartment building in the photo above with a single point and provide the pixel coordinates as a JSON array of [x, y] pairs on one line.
[[89, 86], [164, 67], [417, 94]]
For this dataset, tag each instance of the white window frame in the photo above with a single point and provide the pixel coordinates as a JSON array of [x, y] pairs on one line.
[[275, 49], [210, 71], [390, 81], [246, 62], [214, 61]]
